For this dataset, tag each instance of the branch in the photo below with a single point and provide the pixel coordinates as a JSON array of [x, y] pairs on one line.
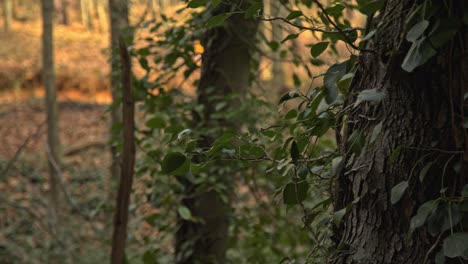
[[315, 29]]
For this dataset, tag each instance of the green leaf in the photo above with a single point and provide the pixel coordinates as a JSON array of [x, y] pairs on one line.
[[291, 114], [370, 7], [254, 9], [184, 212], [417, 31], [335, 10], [156, 122], [456, 245], [289, 37], [217, 20], [333, 74], [440, 258], [173, 161], [196, 3], [288, 96], [294, 14], [149, 257], [297, 81], [345, 82], [419, 53], [295, 155], [295, 193], [318, 48], [396, 152], [423, 212], [338, 216], [376, 131], [398, 191], [370, 95], [337, 166], [356, 142], [424, 170]]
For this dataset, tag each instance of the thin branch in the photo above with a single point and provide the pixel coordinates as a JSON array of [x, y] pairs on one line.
[[314, 29]]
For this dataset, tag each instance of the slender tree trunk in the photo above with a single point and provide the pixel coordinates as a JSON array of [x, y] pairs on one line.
[[86, 14], [64, 19], [101, 7], [119, 237], [53, 143], [225, 71], [7, 14], [119, 28], [277, 35], [421, 114]]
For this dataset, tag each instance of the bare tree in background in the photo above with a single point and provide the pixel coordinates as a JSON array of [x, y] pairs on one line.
[[86, 7], [119, 25], [53, 143], [7, 14], [101, 8]]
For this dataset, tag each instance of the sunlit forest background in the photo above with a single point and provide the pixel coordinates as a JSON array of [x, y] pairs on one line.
[[262, 153]]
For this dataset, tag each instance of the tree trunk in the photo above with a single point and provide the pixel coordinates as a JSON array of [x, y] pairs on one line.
[[101, 7], [119, 26], [86, 14], [225, 70], [422, 115], [53, 143], [7, 14]]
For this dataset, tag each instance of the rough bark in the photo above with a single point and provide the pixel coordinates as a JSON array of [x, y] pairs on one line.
[[225, 70], [7, 14], [420, 113]]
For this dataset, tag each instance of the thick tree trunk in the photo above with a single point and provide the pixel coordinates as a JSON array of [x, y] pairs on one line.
[[421, 115], [119, 26], [225, 71], [7, 14]]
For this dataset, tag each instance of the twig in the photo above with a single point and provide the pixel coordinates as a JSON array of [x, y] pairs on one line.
[[20, 149], [314, 29]]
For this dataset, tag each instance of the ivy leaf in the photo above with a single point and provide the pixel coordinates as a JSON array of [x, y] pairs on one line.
[[173, 161], [376, 132], [288, 96], [295, 193], [417, 30], [456, 245], [443, 31], [217, 20], [196, 3], [156, 122], [370, 7], [294, 14], [338, 216], [185, 213], [370, 95], [423, 212], [345, 82], [333, 74], [396, 152], [295, 153], [424, 171], [335, 10], [337, 166], [398, 191], [357, 142], [318, 48], [289, 37], [419, 53]]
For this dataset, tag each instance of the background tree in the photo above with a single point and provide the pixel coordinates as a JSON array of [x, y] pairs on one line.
[[7, 14], [119, 28], [53, 142], [224, 74]]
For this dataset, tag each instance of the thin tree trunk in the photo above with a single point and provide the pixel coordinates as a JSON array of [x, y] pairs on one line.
[[86, 14], [7, 14], [225, 68], [53, 143], [64, 19], [101, 7], [419, 115], [119, 237], [119, 28]]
